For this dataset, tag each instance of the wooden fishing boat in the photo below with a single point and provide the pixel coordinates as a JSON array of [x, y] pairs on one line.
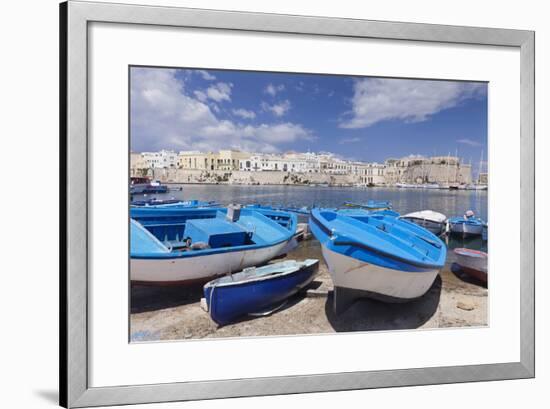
[[257, 290], [377, 256], [472, 262], [467, 225], [188, 245]]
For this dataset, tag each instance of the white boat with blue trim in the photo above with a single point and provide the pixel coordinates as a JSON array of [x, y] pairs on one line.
[[376, 256], [467, 225], [192, 245]]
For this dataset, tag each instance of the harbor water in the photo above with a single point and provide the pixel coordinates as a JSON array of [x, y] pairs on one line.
[[449, 202]]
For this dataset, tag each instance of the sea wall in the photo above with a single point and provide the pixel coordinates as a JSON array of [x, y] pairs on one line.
[[248, 178]]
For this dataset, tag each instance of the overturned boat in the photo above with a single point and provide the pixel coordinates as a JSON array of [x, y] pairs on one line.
[[376, 256], [259, 290], [433, 221], [188, 245]]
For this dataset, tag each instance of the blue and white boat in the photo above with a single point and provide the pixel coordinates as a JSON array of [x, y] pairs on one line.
[[186, 245], [255, 290], [376, 256], [467, 225], [371, 205], [164, 203]]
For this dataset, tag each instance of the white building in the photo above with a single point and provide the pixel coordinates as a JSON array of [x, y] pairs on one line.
[[290, 162], [370, 173], [162, 159]]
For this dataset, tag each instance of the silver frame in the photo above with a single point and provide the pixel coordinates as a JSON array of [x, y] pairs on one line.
[[74, 19]]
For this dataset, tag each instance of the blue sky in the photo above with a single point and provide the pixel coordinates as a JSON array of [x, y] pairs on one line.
[[360, 118]]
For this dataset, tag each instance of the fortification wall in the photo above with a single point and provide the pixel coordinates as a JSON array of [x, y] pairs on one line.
[[248, 178]]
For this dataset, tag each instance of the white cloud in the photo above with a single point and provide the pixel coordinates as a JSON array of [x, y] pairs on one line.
[[274, 89], [201, 96], [205, 75], [220, 91], [217, 92], [469, 142], [279, 109], [165, 115], [243, 113], [377, 99], [279, 133]]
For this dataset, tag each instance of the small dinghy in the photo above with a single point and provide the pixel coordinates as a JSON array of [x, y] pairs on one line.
[[433, 221], [257, 290], [467, 225], [377, 256], [472, 262]]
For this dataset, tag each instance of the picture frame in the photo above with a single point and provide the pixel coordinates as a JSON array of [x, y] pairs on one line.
[[75, 16]]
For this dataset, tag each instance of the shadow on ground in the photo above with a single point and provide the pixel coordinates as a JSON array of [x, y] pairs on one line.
[[463, 276], [152, 298], [371, 315]]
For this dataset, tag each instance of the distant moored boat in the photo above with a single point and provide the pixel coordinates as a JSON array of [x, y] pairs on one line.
[[371, 205], [467, 225], [172, 203], [430, 220]]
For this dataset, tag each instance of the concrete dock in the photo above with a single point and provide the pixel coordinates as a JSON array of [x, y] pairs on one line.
[[171, 313]]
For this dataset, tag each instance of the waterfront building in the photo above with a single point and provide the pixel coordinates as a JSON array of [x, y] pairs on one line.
[[231, 160], [226, 160], [138, 165], [290, 162], [164, 159], [369, 173]]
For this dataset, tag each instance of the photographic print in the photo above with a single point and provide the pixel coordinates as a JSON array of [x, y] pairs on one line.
[[270, 203]]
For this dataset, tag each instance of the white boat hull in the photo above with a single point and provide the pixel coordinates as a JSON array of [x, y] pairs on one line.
[[186, 270], [348, 272]]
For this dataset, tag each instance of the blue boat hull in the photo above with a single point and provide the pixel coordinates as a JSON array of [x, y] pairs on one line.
[[228, 303]]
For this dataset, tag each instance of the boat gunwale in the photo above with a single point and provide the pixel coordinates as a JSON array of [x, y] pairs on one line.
[[215, 284], [466, 252], [363, 246], [287, 235]]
